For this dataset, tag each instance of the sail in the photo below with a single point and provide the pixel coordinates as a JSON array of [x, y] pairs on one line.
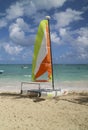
[[42, 57]]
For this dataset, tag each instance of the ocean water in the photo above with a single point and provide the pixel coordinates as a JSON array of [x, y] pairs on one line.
[[62, 73], [15, 72]]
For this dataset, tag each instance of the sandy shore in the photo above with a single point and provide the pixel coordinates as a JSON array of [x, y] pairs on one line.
[[6, 85], [68, 112]]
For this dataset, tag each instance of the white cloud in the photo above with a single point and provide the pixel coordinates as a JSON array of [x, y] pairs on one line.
[[17, 33], [12, 50], [77, 37], [55, 38], [22, 25], [77, 41], [65, 18], [62, 31], [83, 31], [85, 8], [83, 40], [14, 11], [82, 43], [20, 8], [69, 54], [3, 22], [29, 8], [83, 55], [83, 37], [66, 36], [48, 4]]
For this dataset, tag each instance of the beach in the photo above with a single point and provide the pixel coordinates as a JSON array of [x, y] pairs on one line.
[[69, 112], [64, 112], [15, 86]]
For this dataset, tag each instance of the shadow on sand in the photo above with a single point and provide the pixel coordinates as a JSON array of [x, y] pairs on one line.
[[19, 96], [77, 98]]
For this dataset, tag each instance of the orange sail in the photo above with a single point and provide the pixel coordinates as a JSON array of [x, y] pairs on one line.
[[42, 54]]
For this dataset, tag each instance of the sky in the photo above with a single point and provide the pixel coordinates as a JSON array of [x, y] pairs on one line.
[[19, 21]]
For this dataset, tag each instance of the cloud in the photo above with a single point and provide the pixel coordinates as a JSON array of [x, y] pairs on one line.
[[82, 42], [69, 54], [66, 36], [77, 40], [29, 8], [20, 8], [55, 38], [85, 8], [14, 11], [3, 22], [18, 32], [21, 35], [77, 37], [48, 4], [22, 25], [12, 50], [83, 37], [82, 54], [62, 31], [65, 18]]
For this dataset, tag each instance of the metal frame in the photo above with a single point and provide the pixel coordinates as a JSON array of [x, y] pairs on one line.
[[37, 83]]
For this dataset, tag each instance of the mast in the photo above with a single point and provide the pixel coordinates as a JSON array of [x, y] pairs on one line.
[[48, 18]]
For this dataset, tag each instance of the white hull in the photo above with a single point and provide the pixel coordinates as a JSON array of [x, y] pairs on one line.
[[45, 93]]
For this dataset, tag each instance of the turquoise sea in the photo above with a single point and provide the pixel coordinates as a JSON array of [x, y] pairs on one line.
[[62, 73]]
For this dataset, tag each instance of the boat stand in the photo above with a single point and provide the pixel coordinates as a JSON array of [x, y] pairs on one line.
[[31, 92]]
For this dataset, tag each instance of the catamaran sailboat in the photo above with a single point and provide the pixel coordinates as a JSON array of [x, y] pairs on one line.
[[42, 60]]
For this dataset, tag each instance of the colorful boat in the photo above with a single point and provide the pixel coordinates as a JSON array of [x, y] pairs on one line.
[[42, 63], [42, 58]]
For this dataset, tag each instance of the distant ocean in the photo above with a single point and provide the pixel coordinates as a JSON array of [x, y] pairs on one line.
[[62, 73]]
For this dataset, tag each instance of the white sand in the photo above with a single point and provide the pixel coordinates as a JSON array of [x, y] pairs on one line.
[[63, 113], [15, 86]]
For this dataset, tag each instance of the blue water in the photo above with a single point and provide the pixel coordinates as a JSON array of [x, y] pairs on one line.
[[61, 72], [71, 72], [15, 72]]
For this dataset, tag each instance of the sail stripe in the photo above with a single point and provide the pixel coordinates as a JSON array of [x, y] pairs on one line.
[[41, 55], [37, 45]]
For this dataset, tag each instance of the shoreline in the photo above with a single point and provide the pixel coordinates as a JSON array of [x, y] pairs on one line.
[[15, 86]]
